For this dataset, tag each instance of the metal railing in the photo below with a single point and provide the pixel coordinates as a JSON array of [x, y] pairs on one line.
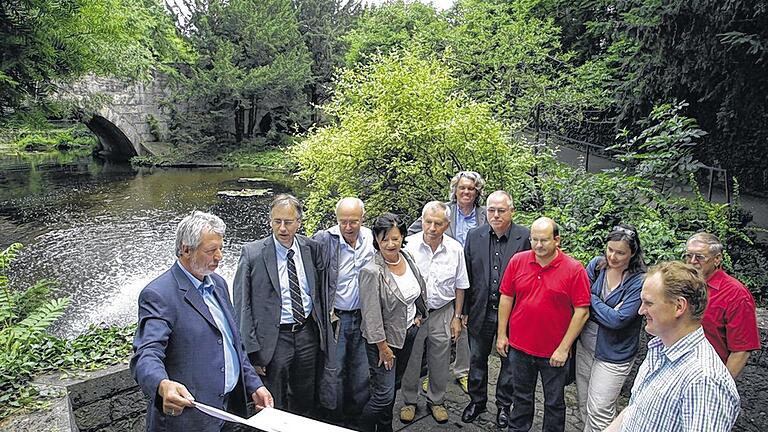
[[589, 149]]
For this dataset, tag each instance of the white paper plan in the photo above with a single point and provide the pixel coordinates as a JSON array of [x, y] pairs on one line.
[[272, 420]]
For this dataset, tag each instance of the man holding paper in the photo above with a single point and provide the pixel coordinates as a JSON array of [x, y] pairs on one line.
[[187, 346]]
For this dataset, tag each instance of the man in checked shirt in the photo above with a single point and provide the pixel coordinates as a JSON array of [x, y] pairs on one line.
[[682, 384]]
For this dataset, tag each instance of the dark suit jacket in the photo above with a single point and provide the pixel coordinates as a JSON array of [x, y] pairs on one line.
[[477, 250], [178, 339], [480, 212], [257, 295]]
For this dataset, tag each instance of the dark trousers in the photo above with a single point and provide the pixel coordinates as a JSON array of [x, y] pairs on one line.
[[344, 384], [480, 347], [377, 414], [527, 369], [291, 372]]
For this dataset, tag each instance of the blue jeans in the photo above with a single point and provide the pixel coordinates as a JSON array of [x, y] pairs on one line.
[[344, 384], [377, 414], [526, 370]]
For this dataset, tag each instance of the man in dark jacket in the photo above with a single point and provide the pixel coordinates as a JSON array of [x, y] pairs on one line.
[[347, 248], [487, 250], [187, 345]]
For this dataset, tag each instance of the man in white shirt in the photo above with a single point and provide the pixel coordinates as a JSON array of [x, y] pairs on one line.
[[441, 262]]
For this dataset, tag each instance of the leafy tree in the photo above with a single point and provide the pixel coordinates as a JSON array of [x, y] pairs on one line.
[[396, 25], [512, 59], [712, 54], [322, 23], [252, 69], [663, 151], [401, 133], [46, 41]]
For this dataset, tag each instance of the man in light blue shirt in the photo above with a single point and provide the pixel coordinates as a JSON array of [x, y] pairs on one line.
[[682, 384], [347, 248], [187, 347]]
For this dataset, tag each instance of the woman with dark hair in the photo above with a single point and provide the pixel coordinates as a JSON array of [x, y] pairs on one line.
[[609, 341], [392, 294]]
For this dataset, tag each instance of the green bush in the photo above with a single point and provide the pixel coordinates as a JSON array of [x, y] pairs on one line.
[[27, 349]]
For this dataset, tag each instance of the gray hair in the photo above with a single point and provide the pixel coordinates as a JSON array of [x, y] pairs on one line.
[[711, 240], [436, 207], [191, 229], [355, 200], [505, 194], [471, 175], [287, 200]]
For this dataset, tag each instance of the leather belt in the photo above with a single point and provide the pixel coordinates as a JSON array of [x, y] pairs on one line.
[[294, 327], [347, 312]]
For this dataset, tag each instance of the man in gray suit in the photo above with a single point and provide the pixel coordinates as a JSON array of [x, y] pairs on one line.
[[488, 250], [467, 212], [282, 308]]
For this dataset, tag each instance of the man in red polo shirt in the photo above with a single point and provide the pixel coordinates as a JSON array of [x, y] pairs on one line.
[[544, 303], [730, 321]]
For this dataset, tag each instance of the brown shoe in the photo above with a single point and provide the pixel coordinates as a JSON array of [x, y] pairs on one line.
[[439, 413], [408, 413]]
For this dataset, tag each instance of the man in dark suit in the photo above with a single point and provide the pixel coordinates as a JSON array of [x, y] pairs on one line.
[[282, 307], [187, 345], [488, 249]]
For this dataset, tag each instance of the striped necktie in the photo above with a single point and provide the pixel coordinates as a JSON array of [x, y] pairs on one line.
[[293, 281]]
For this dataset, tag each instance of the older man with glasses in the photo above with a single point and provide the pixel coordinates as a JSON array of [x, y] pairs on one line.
[[730, 321], [282, 307]]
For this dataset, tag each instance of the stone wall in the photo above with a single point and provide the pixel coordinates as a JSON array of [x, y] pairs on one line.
[[104, 401]]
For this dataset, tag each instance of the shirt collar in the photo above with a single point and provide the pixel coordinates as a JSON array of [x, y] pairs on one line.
[[554, 263], [336, 230], [461, 213], [204, 286], [715, 280], [681, 347], [282, 251], [505, 235], [423, 244]]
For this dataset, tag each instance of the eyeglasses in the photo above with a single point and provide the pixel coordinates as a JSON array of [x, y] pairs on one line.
[[543, 242], [500, 211], [699, 258], [287, 222], [349, 222], [629, 233]]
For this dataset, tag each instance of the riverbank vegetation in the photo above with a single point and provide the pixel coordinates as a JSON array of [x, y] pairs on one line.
[[27, 349]]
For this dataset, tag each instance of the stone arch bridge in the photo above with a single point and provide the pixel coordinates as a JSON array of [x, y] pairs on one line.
[[129, 118]]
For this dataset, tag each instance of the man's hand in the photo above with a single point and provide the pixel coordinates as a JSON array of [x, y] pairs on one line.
[[175, 397], [502, 345], [261, 370], [559, 357], [262, 398], [455, 329]]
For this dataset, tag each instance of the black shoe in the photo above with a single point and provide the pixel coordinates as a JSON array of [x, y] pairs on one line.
[[471, 412], [502, 417]]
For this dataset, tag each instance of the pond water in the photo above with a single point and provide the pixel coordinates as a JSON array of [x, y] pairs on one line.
[[103, 231]]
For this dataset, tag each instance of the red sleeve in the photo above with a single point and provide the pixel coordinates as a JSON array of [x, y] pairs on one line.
[[741, 333], [580, 294], [507, 286]]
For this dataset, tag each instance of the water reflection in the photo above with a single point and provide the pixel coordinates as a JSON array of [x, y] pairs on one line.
[[104, 231]]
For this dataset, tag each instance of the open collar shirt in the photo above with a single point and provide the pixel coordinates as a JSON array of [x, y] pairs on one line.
[[444, 270], [464, 223], [350, 261], [683, 387], [231, 360]]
